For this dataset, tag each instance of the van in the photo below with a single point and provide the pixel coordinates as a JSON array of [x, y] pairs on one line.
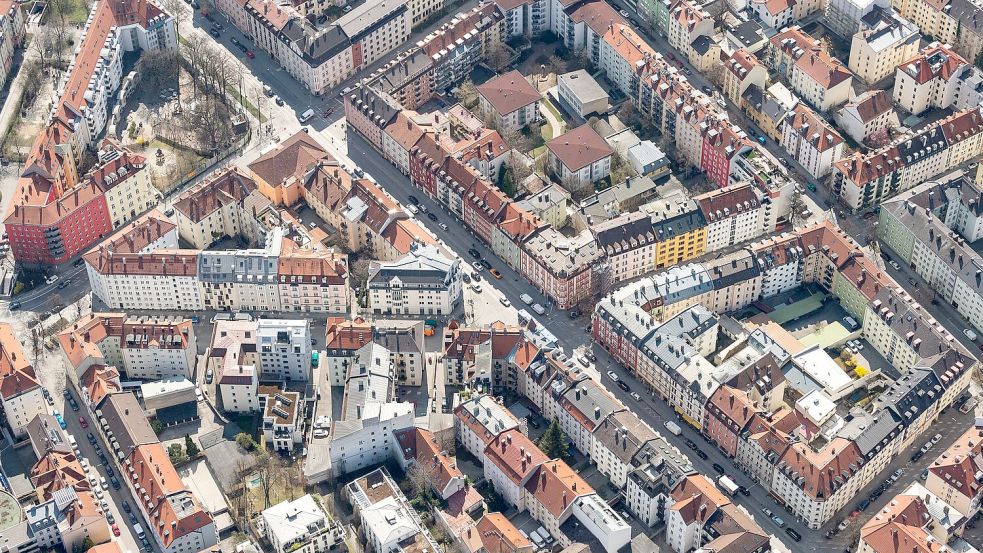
[[267, 90], [526, 299], [539, 309], [71, 440], [306, 116], [138, 530]]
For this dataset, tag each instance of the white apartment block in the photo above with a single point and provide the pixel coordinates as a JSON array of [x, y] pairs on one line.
[[299, 526], [510, 101], [284, 349], [424, 282], [217, 208], [814, 75], [883, 42], [20, 388], [811, 141], [12, 30], [866, 114], [364, 434], [480, 420], [734, 214], [129, 191], [931, 79]]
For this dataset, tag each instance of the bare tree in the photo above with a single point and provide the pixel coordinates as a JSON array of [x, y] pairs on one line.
[[467, 93], [267, 474], [497, 55], [177, 10], [422, 477], [556, 64]]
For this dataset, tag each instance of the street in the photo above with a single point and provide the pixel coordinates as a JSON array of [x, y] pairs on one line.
[[127, 539]]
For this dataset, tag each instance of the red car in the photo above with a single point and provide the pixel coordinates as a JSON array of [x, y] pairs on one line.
[[115, 530], [250, 54], [83, 422]]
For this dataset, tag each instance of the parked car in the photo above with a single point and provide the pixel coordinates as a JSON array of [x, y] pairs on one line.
[[718, 468], [636, 397], [14, 305], [214, 32], [84, 423], [413, 199], [936, 438], [478, 267], [495, 273], [443, 226], [623, 386], [613, 376], [766, 511], [863, 505], [485, 263], [701, 454], [209, 374], [793, 534], [115, 530], [744, 491], [505, 301]]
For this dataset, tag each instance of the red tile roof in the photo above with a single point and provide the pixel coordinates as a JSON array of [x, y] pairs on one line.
[[17, 375], [579, 148], [515, 455], [935, 61], [509, 92], [810, 57], [817, 132], [959, 465], [555, 485]]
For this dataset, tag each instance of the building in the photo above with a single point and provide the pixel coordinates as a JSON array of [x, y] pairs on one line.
[[284, 349], [905, 523], [20, 388], [700, 516], [419, 448], [509, 100], [615, 443], [580, 94], [281, 171], [869, 116], [221, 206], [389, 523], [579, 158], [884, 40], [299, 525], [479, 420], [844, 17], [955, 475], [56, 213], [363, 435], [814, 75], [742, 70], [955, 22], [12, 31], [139, 347], [863, 180], [510, 461], [494, 532], [930, 79], [177, 521], [67, 520], [811, 141], [734, 214], [425, 282]]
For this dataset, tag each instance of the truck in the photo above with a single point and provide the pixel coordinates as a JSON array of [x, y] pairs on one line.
[[673, 427], [728, 485]]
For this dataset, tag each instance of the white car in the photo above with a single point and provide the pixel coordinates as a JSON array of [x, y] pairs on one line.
[[969, 334], [52, 279], [478, 267], [936, 438], [98, 492], [613, 376], [894, 265], [198, 395], [413, 209], [320, 433], [505, 302], [636, 397], [476, 288], [103, 483], [443, 226], [623, 13]]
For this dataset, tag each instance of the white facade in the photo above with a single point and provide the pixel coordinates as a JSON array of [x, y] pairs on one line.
[[298, 526], [284, 348], [21, 408], [424, 282]]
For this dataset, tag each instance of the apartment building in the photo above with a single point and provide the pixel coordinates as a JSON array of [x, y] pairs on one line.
[[579, 158], [510, 461], [689, 26], [955, 22], [388, 522], [885, 39], [561, 267], [284, 349], [20, 388], [418, 447], [282, 418], [616, 442], [509, 100], [700, 516], [12, 31], [865, 180], [56, 213], [930, 79], [813, 74], [928, 227], [425, 282], [67, 520], [844, 17], [734, 214], [811, 141], [954, 477], [741, 70], [177, 522], [581, 94], [299, 525], [280, 172], [220, 206], [363, 436], [868, 116], [479, 420]]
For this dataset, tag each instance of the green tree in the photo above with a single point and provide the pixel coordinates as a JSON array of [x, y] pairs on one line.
[[176, 453], [84, 546], [554, 442], [157, 426], [190, 446], [245, 441]]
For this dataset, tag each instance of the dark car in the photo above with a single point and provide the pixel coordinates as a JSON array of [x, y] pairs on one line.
[[701, 454], [78, 262], [234, 40], [63, 284], [242, 48], [916, 455], [14, 305], [591, 357], [110, 472], [793, 534], [623, 386], [466, 278], [476, 277], [744, 491], [474, 253], [485, 263], [574, 313], [432, 217], [533, 423], [413, 199], [691, 444], [278, 100], [718, 468], [126, 506], [91, 437], [863, 505], [214, 32]]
